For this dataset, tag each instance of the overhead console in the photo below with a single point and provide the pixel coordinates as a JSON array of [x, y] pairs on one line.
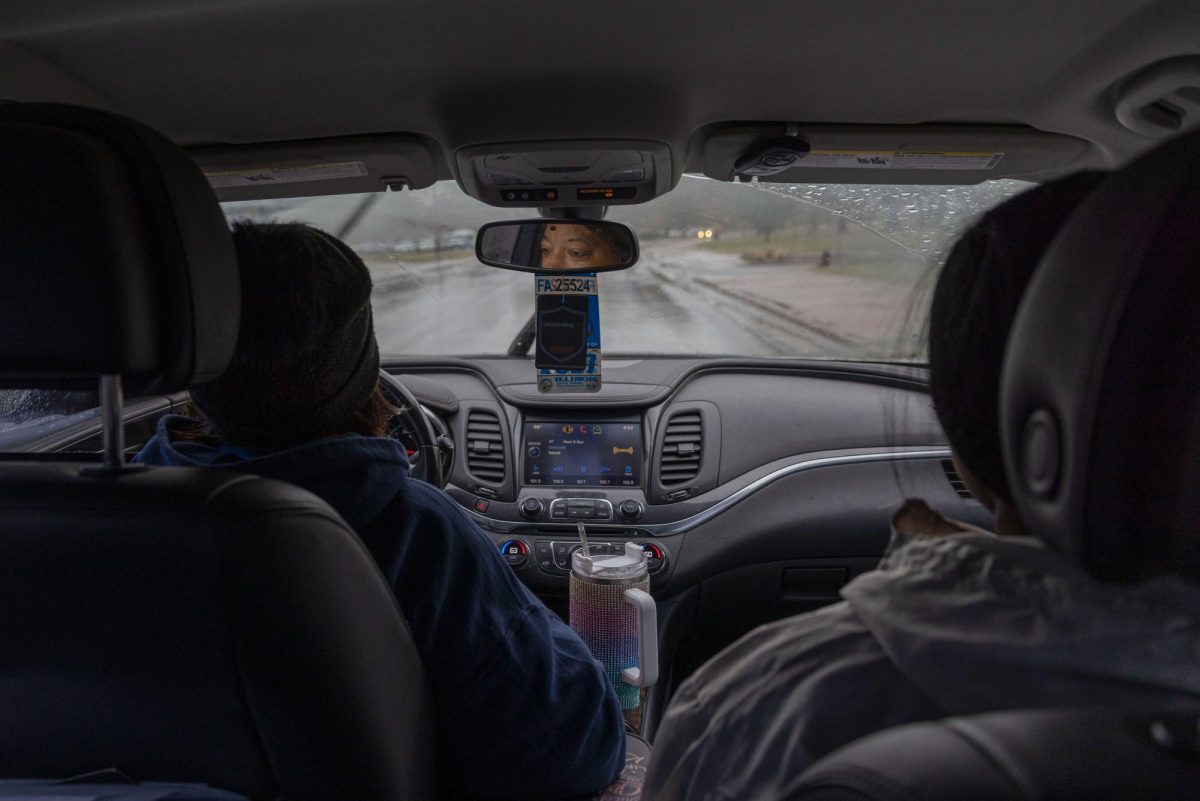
[[566, 174], [892, 154]]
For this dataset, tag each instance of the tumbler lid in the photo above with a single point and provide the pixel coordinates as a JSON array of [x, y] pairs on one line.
[[631, 564]]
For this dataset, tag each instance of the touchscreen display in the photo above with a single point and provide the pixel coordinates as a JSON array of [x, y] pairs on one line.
[[583, 454]]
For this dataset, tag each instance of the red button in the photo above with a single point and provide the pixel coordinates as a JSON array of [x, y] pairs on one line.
[[481, 505]]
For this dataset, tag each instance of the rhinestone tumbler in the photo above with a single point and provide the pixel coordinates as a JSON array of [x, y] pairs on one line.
[[613, 613]]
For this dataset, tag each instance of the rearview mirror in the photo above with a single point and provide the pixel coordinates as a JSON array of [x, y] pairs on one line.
[[557, 245]]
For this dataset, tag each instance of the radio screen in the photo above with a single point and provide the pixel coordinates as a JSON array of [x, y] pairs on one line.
[[583, 455]]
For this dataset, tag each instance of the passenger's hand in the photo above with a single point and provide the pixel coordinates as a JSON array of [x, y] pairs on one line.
[[917, 519]]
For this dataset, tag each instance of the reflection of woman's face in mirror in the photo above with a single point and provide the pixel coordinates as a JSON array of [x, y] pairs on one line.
[[566, 247]]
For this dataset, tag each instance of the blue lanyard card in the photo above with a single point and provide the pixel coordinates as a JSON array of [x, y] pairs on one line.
[[567, 315]]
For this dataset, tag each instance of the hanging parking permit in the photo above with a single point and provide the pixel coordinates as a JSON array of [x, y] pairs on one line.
[[567, 315]]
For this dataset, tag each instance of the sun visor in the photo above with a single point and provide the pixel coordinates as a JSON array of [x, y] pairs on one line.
[[566, 173], [316, 167], [947, 154]]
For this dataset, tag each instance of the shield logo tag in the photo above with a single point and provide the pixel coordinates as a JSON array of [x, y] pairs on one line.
[[562, 323]]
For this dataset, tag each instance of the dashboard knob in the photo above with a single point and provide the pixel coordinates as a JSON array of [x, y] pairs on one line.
[[630, 509], [531, 508], [656, 557]]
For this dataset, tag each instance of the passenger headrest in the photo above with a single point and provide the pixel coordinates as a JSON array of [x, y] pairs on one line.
[[116, 257], [1100, 406]]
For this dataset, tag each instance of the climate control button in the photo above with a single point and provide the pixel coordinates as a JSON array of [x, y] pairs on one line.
[[656, 556], [515, 552]]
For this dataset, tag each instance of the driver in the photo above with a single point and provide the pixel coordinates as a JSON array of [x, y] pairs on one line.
[[576, 246], [522, 709]]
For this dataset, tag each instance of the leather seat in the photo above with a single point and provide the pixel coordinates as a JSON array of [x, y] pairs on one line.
[[1101, 430], [1021, 755], [177, 625]]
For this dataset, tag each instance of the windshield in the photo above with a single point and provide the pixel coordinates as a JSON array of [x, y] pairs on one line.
[[790, 270]]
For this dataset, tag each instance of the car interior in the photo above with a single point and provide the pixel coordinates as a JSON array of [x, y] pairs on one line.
[[754, 404]]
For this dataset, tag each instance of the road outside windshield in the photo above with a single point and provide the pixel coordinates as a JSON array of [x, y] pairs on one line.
[[784, 270]]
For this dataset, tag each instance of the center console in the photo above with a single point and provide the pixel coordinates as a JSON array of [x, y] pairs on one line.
[[579, 470], [582, 470], [530, 477], [590, 468]]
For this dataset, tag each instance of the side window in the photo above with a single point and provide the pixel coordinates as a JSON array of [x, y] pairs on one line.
[[29, 414]]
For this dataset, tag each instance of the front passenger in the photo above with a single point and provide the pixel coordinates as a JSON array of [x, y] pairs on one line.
[[955, 621], [522, 710]]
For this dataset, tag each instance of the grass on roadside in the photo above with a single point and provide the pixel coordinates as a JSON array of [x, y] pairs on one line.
[[855, 251]]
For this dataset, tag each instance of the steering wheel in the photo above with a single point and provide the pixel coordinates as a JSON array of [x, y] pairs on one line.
[[426, 462]]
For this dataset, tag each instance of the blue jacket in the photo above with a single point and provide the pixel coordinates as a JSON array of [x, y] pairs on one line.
[[522, 709]]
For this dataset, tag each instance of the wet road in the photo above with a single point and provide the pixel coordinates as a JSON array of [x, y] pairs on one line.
[[461, 307]]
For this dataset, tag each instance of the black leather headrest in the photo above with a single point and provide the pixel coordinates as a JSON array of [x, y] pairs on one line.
[[116, 257], [1100, 406]]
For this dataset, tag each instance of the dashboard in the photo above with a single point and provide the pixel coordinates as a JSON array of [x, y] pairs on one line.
[[757, 487], [712, 466], [761, 485]]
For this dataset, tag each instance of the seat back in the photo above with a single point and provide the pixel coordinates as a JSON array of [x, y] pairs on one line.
[[175, 625], [1101, 435], [197, 626], [1100, 406], [1023, 755]]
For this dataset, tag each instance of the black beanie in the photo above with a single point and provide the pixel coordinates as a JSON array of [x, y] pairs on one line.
[[306, 360]]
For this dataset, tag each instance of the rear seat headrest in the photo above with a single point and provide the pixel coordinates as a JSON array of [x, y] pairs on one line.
[[116, 257], [1100, 405]]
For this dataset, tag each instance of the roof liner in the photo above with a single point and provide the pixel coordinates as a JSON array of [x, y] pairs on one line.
[[464, 72]]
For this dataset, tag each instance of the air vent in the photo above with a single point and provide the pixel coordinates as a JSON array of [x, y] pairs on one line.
[[960, 486], [681, 449], [485, 446]]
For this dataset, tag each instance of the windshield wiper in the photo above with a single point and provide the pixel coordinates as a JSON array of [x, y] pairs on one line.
[[525, 338], [357, 214]]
